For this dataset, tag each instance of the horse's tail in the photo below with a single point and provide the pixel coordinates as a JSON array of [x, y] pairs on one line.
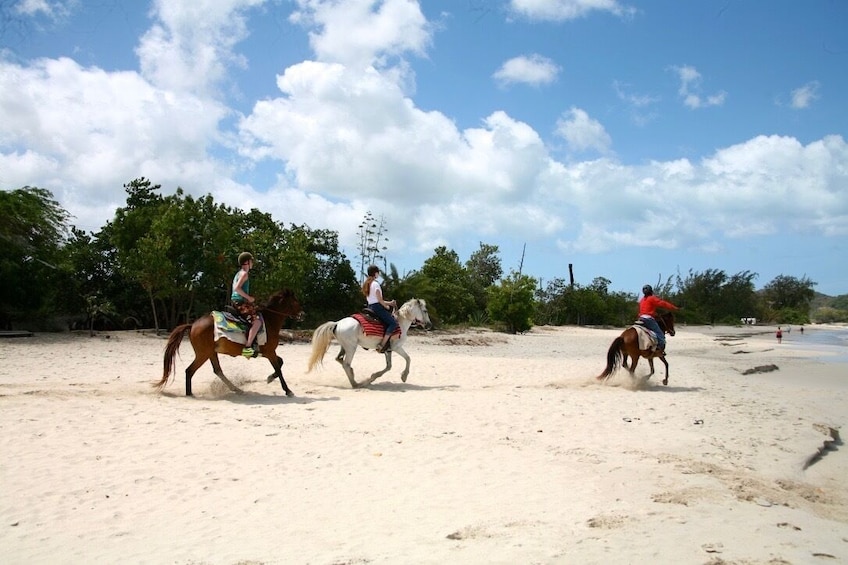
[[321, 339], [614, 358], [171, 349]]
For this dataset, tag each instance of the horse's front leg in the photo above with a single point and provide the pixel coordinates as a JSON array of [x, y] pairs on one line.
[[402, 352], [651, 364], [665, 380], [277, 364]]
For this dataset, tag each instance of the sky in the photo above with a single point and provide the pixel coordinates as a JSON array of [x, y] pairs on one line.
[[633, 140]]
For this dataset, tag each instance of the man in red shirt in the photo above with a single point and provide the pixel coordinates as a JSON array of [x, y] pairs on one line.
[[648, 310]]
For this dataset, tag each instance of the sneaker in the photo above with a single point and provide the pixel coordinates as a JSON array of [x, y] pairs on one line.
[[248, 352]]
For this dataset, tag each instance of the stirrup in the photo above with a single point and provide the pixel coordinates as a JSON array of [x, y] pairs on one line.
[[385, 348], [248, 352]]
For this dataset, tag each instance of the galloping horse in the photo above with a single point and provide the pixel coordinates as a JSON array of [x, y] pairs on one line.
[[281, 305], [627, 345], [349, 333]]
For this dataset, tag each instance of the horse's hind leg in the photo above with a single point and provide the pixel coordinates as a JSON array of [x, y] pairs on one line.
[[189, 372], [378, 374], [348, 368], [216, 367], [340, 357], [635, 362]]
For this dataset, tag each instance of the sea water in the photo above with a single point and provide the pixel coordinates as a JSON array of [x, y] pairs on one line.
[[832, 342]]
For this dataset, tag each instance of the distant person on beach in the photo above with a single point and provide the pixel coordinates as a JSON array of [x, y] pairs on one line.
[[779, 335], [802, 330]]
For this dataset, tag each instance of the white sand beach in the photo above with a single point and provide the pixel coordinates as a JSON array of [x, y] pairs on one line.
[[498, 449]]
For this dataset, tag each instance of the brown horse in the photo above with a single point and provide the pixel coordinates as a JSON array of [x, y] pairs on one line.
[[627, 345], [281, 305]]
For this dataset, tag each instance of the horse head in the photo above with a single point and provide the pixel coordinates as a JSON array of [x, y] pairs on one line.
[[285, 303], [667, 321], [416, 310]]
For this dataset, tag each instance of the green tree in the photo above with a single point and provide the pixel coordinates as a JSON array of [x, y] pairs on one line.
[[89, 263], [739, 298], [788, 298], [32, 232], [511, 302], [445, 285], [484, 270], [701, 294]]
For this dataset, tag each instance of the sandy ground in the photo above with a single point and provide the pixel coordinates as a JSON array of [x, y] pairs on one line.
[[498, 449]]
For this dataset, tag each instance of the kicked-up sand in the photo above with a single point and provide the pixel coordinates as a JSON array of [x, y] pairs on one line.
[[498, 449]]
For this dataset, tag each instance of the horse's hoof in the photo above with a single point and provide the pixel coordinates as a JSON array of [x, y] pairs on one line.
[[665, 382], [290, 394], [403, 378], [270, 379]]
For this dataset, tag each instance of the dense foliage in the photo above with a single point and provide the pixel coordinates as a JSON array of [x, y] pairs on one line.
[[162, 260]]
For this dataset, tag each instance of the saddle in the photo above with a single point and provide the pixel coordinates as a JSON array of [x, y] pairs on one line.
[[647, 338], [229, 325], [371, 324]]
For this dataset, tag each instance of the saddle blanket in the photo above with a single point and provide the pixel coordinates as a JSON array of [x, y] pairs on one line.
[[647, 339], [372, 328], [234, 330]]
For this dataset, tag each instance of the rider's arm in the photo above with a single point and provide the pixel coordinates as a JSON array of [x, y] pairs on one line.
[[667, 305], [386, 304]]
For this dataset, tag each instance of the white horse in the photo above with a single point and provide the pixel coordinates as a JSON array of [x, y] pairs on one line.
[[349, 333]]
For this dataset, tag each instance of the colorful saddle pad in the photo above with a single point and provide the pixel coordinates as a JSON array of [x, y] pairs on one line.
[[372, 328], [226, 325]]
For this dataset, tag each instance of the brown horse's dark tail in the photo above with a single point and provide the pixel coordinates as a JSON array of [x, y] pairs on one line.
[[174, 341], [614, 358]]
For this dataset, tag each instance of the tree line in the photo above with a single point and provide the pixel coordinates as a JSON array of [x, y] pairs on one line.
[[165, 260]]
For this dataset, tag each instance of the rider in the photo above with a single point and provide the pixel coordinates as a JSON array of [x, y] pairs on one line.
[[245, 303], [648, 310], [374, 292]]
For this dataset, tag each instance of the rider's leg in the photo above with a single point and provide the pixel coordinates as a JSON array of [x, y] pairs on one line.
[[655, 327], [384, 343], [390, 323], [254, 330], [248, 350]]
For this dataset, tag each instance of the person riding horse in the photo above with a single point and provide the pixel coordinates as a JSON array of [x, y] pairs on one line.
[[246, 304], [648, 310]]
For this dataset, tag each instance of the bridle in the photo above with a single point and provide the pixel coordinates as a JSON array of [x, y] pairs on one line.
[[661, 321], [299, 315]]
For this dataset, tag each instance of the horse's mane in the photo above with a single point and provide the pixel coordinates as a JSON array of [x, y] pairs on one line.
[[279, 296], [409, 304]]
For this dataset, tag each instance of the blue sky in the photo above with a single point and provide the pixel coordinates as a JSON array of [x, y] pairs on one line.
[[634, 140]]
